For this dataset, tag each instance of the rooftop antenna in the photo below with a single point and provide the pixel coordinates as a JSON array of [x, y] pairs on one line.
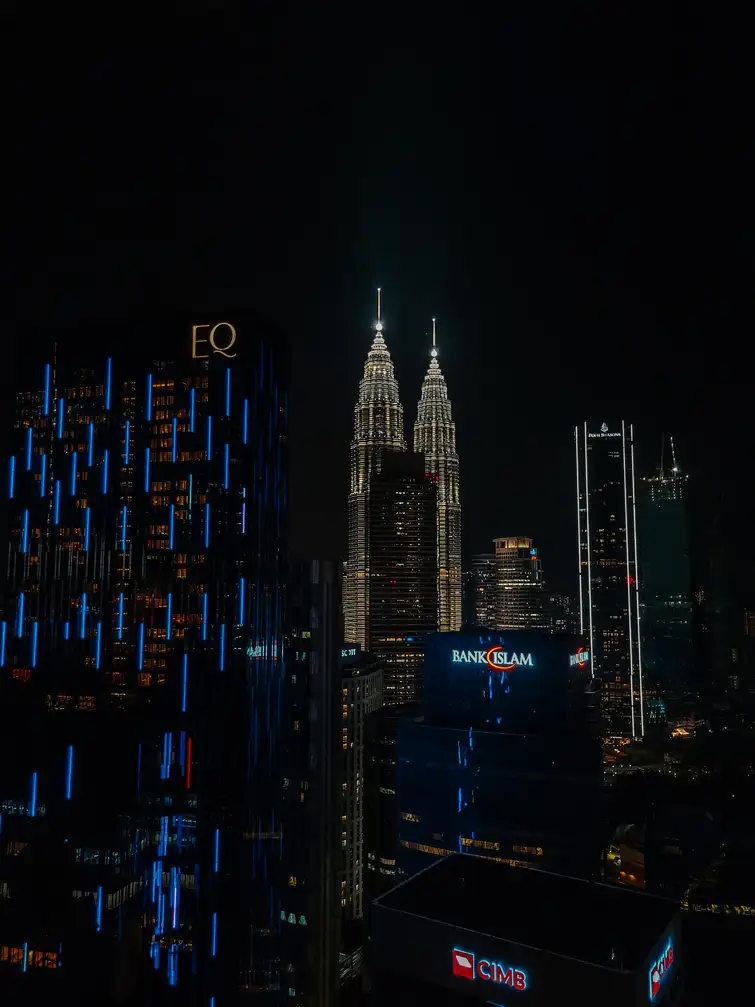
[[379, 326], [434, 351]]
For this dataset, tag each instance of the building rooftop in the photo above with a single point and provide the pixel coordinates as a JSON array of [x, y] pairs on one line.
[[587, 921]]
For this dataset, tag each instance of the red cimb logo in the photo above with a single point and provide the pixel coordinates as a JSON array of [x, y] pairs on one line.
[[463, 963], [659, 969]]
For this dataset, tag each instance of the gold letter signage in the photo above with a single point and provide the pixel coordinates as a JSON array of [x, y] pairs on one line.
[[220, 342]]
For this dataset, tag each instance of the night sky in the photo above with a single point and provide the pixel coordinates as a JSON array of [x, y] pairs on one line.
[[565, 190]]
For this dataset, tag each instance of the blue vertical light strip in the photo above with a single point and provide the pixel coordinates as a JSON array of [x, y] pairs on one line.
[[11, 477], [25, 962], [34, 642], [209, 438], [90, 444], [171, 525], [87, 523], [217, 850], [146, 470], [66, 630], [243, 518], [42, 475], [56, 502], [98, 646], [222, 646], [108, 380], [3, 635], [124, 526], [20, 616], [226, 464], [228, 391], [184, 686], [192, 408], [214, 945], [59, 419], [127, 442], [33, 796], [148, 404], [175, 437], [242, 600], [140, 650], [25, 532], [120, 616], [29, 435], [204, 615], [168, 615], [207, 526], [105, 466], [245, 422], [83, 616], [98, 910], [69, 772], [74, 459], [46, 401]]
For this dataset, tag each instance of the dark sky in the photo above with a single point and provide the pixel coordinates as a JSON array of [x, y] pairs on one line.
[[566, 190]]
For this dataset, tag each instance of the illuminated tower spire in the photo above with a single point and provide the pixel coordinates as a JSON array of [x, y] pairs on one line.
[[378, 427], [435, 437]]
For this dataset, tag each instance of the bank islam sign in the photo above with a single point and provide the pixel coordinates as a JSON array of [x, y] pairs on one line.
[[463, 964], [494, 657]]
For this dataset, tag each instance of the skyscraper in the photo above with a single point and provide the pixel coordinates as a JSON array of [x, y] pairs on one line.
[[435, 437], [403, 601], [483, 590], [608, 574], [141, 654], [519, 591], [378, 427]]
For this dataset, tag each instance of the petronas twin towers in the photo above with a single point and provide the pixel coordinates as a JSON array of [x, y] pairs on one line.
[[379, 427]]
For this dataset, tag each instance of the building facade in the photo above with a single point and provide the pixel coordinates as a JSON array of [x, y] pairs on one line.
[[519, 590], [481, 591], [141, 662], [378, 428], [435, 437], [403, 592], [609, 598]]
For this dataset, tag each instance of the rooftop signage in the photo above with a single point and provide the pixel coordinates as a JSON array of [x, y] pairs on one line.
[[494, 657], [581, 658], [463, 965], [660, 969], [218, 341]]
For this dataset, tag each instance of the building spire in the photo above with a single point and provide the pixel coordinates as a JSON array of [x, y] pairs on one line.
[[434, 352], [379, 325]]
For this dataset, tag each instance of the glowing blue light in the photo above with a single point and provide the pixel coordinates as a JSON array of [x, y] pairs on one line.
[[175, 437], [209, 438], [226, 464], [148, 405], [171, 525], [146, 470], [90, 444], [184, 685], [243, 518], [217, 850], [33, 796], [87, 523], [34, 640], [127, 442], [60, 418], [245, 422], [69, 773], [29, 435], [120, 616], [98, 646], [192, 408], [66, 630], [124, 526], [42, 474], [3, 634], [56, 502], [25, 532], [168, 615], [105, 464], [74, 460], [46, 405], [459, 801], [242, 592], [83, 616], [98, 916], [222, 646], [214, 950], [206, 526], [140, 650], [204, 616], [228, 391], [20, 616], [108, 380], [26, 956], [11, 476]]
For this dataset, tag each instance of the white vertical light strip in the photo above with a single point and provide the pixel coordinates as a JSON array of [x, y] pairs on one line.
[[637, 585], [589, 557], [579, 541], [629, 586]]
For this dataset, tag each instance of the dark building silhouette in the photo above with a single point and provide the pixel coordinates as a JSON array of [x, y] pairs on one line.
[[148, 717], [403, 595]]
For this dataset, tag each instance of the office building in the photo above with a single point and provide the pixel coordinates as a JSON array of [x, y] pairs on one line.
[[482, 590], [403, 594], [435, 437], [503, 758], [378, 429], [521, 602], [141, 641], [609, 599], [470, 931], [563, 614], [666, 595]]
